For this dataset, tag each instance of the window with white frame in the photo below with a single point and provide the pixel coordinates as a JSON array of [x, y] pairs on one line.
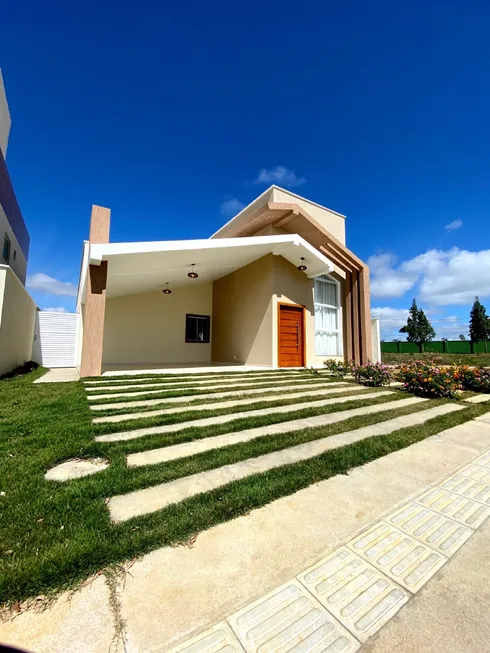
[[327, 317]]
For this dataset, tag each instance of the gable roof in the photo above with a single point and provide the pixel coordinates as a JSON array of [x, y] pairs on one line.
[[262, 199]]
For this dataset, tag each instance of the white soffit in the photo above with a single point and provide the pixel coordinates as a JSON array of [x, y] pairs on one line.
[[144, 267]]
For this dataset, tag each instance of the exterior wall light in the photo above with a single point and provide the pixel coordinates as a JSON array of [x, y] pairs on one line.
[[192, 274]]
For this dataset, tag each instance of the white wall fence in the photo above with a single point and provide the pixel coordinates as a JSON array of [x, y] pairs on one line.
[[17, 316], [376, 340], [55, 339]]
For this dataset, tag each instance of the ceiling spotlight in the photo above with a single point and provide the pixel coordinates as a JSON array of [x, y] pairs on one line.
[[166, 290], [192, 274], [302, 267]]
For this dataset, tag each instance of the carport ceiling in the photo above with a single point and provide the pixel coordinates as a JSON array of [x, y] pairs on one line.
[[144, 267]]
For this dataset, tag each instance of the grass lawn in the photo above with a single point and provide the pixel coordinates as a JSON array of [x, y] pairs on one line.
[[477, 360], [53, 535]]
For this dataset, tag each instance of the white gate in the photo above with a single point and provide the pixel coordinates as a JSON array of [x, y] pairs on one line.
[[55, 339]]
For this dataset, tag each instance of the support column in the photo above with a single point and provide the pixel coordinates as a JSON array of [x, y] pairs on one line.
[[94, 311], [356, 336], [347, 316], [365, 315]]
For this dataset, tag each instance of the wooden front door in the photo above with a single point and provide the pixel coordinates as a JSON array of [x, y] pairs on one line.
[[291, 336]]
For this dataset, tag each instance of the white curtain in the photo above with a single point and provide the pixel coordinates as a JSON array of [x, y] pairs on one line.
[[326, 318]]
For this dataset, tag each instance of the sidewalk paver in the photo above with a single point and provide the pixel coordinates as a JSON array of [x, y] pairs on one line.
[[404, 559], [290, 619], [451, 614], [356, 593]]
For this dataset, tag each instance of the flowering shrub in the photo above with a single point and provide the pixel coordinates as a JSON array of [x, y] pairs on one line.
[[372, 374], [425, 380], [338, 369], [475, 379]]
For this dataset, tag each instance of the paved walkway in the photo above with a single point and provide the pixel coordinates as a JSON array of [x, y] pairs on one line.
[[280, 553], [355, 395], [59, 375], [165, 382], [478, 399], [156, 497], [226, 404], [267, 390], [259, 384]]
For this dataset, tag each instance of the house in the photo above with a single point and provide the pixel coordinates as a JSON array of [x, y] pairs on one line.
[[17, 308], [14, 237], [274, 287]]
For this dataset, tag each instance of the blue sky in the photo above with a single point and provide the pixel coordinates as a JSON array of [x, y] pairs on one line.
[[175, 114]]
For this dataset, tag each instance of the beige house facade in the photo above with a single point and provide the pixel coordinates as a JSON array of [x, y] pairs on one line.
[[274, 287]]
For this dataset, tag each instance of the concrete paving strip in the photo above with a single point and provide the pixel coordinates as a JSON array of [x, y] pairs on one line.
[[172, 452], [198, 370], [109, 419], [268, 391], [231, 417], [257, 384], [120, 383], [154, 498], [478, 399], [184, 384], [59, 375]]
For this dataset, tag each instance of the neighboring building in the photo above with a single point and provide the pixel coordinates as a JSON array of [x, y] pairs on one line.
[[274, 287], [17, 308], [14, 237]]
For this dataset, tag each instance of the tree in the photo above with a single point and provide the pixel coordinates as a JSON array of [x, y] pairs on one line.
[[462, 336], [479, 323], [418, 328]]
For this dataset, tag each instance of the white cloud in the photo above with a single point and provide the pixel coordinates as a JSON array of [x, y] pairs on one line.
[[392, 319], [281, 176], [444, 277], [44, 283], [455, 224], [386, 280], [231, 207]]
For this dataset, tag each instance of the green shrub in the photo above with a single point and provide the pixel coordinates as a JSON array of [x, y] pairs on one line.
[[339, 369], [372, 374], [431, 381]]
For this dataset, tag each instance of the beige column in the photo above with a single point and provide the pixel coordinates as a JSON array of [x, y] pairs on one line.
[[94, 311], [347, 316], [365, 315]]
